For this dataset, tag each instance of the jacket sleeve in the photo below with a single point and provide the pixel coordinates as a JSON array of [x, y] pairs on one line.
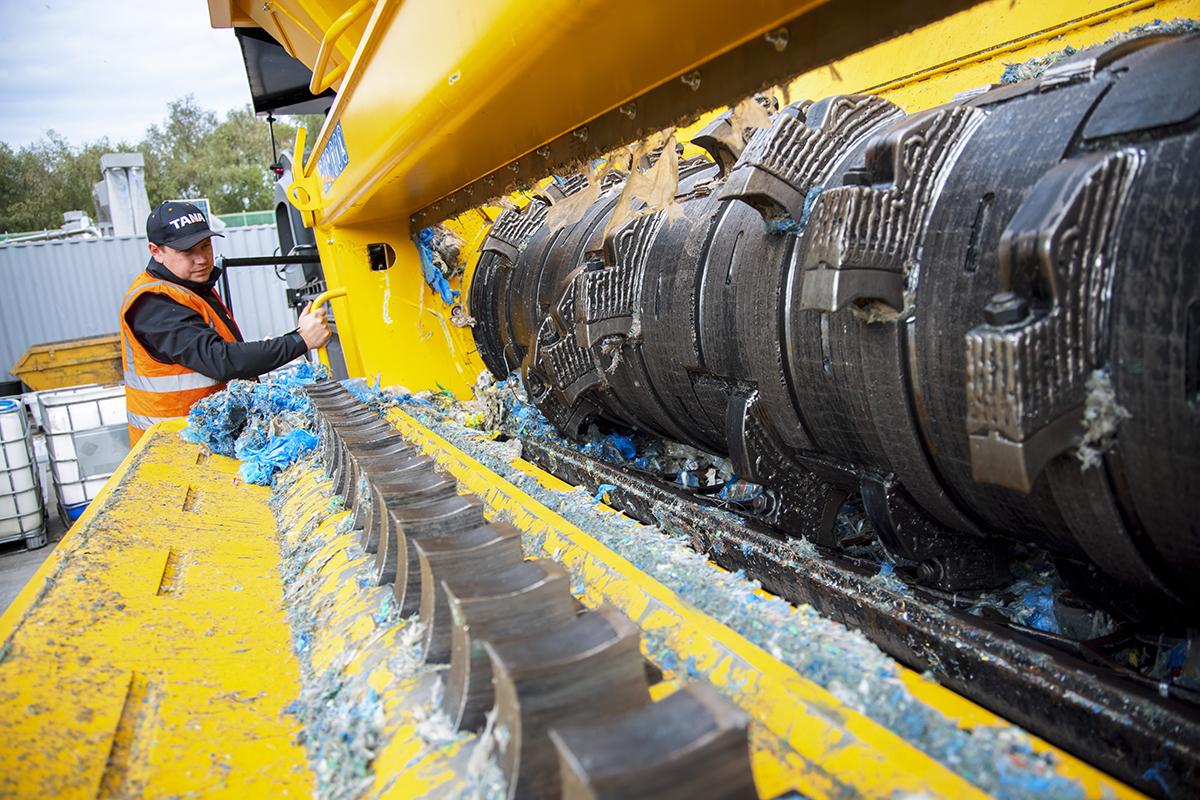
[[175, 334]]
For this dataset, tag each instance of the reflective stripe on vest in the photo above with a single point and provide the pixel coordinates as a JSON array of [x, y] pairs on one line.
[[143, 422], [169, 383]]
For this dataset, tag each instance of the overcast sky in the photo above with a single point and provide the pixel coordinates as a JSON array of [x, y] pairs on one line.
[[89, 69]]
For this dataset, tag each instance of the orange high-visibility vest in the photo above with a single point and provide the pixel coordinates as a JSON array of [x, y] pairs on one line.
[[155, 391]]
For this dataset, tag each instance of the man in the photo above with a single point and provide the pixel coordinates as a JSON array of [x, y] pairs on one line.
[[179, 342]]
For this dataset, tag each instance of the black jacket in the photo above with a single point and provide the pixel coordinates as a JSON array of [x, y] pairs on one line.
[[175, 334]]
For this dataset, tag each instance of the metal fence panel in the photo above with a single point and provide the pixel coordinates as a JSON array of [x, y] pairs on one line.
[[56, 290]]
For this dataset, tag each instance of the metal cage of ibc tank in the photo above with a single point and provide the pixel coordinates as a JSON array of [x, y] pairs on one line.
[[86, 438], [22, 513]]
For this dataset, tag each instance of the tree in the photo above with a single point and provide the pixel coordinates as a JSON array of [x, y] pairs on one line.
[[193, 153], [42, 180]]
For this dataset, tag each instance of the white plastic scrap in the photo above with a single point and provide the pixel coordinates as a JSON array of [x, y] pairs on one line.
[[1101, 416]]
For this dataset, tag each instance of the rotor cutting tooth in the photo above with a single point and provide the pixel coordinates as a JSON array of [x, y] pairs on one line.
[[325, 444], [395, 456], [496, 606], [415, 487], [588, 668], [407, 524], [335, 405], [325, 389], [335, 437], [721, 141], [482, 550], [691, 744], [348, 415], [364, 432], [342, 477], [379, 453], [391, 527], [376, 464], [374, 474], [367, 442]]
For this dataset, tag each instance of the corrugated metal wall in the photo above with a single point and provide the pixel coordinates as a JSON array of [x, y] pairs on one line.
[[50, 291]]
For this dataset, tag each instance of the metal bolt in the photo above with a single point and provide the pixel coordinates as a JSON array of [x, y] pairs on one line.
[[1006, 308], [763, 504], [629, 110], [691, 80], [930, 571], [778, 38]]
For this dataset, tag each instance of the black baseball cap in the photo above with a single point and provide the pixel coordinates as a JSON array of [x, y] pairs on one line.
[[178, 225]]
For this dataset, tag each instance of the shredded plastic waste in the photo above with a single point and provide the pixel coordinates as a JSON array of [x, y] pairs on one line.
[[434, 267], [1037, 609], [267, 424], [1034, 67], [349, 644], [370, 394], [260, 463], [1101, 416], [1034, 599], [739, 491], [602, 492], [785, 224]]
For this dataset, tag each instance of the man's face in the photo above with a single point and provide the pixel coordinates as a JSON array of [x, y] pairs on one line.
[[195, 264]]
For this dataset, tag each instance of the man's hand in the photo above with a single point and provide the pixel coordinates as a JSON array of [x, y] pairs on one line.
[[314, 327]]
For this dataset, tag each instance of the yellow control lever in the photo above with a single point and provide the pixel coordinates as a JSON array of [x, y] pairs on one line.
[[323, 297]]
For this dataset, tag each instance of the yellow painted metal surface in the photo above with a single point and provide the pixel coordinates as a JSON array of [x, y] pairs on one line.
[[150, 655], [74, 362], [803, 737], [444, 92], [929, 66], [390, 323]]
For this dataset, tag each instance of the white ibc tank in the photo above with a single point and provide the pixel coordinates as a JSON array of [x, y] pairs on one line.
[[22, 515], [86, 438]]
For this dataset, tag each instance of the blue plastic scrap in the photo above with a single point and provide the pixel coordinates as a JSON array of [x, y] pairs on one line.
[[239, 422], [429, 267], [260, 464], [602, 490], [1036, 607], [621, 445], [739, 491], [372, 395]]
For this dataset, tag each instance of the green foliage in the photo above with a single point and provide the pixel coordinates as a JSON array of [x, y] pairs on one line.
[[193, 153]]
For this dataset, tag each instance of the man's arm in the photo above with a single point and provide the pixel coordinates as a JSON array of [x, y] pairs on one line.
[[175, 334]]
